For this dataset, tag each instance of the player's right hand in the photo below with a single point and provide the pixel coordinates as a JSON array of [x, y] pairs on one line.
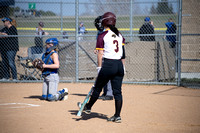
[[98, 69]]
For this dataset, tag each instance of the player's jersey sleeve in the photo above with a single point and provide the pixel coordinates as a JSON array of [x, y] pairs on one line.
[[123, 42], [100, 41], [123, 48]]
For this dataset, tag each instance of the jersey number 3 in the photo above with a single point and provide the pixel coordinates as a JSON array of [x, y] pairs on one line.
[[115, 42]]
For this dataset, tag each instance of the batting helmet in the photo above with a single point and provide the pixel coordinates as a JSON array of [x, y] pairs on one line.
[[109, 18], [97, 23]]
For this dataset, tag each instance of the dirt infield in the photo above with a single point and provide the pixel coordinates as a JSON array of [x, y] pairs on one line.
[[146, 109]]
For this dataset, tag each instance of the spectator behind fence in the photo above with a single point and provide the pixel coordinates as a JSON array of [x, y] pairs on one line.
[[65, 35], [39, 31], [147, 28], [171, 29], [9, 48], [81, 30]]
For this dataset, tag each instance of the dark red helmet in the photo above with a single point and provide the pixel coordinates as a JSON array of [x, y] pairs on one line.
[[109, 18]]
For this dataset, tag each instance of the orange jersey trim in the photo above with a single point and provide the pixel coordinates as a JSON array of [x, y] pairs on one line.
[[99, 48]]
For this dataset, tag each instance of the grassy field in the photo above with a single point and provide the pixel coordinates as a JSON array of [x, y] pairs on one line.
[[26, 26], [69, 22]]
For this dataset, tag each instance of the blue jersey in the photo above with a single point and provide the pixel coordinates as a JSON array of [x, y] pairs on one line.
[[48, 60]]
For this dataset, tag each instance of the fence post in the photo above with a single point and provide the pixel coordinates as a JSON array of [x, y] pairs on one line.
[[179, 41], [61, 16], [77, 58], [131, 20]]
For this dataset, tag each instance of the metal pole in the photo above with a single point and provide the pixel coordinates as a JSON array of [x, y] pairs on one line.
[[158, 61], [131, 21], [61, 16], [179, 42], [77, 42]]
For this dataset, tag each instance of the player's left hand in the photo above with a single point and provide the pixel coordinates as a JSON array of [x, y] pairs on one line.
[[38, 63], [95, 51]]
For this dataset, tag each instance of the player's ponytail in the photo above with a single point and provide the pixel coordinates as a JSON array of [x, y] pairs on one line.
[[114, 29]]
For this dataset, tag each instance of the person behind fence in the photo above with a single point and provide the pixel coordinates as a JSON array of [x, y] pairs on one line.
[[50, 72], [147, 28], [39, 38], [171, 29], [110, 46], [65, 35], [9, 48], [81, 30]]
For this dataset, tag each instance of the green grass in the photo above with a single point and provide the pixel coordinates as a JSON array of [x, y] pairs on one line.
[[193, 80], [69, 22]]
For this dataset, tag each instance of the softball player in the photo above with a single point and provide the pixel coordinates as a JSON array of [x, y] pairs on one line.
[[110, 46], [107, 89], [50, 72]]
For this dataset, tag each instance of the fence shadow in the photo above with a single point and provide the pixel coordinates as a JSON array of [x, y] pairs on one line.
[[163, 92]]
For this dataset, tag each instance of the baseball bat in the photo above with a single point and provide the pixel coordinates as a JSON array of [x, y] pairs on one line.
[[84, 102]]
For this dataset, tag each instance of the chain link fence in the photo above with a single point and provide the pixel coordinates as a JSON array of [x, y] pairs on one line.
[[190, 49], [152, 50]]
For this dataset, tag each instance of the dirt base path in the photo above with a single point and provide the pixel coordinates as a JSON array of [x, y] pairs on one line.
[[146, 109]]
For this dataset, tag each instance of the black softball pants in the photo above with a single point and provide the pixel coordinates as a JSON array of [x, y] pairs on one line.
[[111, 70]]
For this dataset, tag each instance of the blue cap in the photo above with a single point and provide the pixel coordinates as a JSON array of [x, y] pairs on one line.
[[147, 19], [6, 19]]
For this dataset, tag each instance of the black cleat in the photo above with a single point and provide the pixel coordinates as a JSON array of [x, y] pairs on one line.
[[86, 110], [107, 98], [115, 119], [101, 97]]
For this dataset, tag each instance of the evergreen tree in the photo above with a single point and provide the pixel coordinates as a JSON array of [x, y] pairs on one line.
[[163, 7], [171, 9], [153, 9]]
